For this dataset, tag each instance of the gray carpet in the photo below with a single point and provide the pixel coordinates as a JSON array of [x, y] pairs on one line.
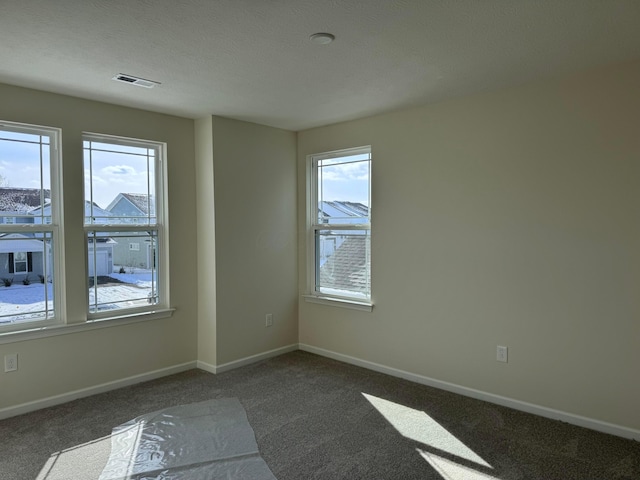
[[316, 418]]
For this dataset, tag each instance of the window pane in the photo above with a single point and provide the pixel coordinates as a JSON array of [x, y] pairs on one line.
[[119, 184], [120, 276], [343, 263], [25, 179], [26, 272], [343, 190]]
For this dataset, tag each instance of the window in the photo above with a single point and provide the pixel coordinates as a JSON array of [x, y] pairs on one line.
[[124, 208], [22, 262], [31, 227], [125, 230], [339, 218]]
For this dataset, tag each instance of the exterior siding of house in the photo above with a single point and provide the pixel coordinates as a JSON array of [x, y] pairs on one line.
[[125, 255], [124, 252], [36, 264]]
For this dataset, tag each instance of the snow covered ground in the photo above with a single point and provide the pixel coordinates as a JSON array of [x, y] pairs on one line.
[[141, 278], [19, 301]]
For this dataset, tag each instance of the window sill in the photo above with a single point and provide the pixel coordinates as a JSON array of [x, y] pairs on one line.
[[92, 324], [339, 302]]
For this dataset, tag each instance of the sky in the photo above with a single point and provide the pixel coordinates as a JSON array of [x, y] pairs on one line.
[[113, 173], [20, 164], [119, 171], [344, 181]]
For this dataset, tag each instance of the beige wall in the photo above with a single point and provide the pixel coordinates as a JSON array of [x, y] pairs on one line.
[[255, 227], [502, 219], [506, 218], [56, 365], [206, 235]]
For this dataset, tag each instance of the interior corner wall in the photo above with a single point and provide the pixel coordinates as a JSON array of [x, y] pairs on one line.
[[206, 239], [255, 230], [57, 365], [508, 218]]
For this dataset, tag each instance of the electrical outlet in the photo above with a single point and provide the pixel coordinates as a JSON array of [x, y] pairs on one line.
[[11, 362], [268, 320], [502, 354]]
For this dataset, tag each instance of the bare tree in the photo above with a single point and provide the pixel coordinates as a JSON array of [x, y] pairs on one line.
[[3, 181]]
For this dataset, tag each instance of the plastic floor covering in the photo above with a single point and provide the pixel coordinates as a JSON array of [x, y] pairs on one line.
[[201, 441]]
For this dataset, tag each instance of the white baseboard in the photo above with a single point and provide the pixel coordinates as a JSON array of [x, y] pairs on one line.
[[207, 367], [578, 420], [225, 367], [86, 392], [573, 419]]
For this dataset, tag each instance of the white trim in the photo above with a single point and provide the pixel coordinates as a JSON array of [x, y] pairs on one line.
[[343, 152], [551, 413], [161, 223], [207, 367], [92, 324], [312, 226], [94, 390], [339, 302], [225, 367], [56, 227]]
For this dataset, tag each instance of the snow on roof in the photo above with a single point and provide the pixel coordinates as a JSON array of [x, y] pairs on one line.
[[343, 209], [21, 200], [139, 200], [16, 242], [347, 269]]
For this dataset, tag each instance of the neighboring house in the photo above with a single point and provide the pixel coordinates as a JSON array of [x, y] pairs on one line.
[[23, 256], [347, 268], [13, 246], [342, 212], [132, 251], [338, 212], [16, 203], [135, 207], [102, 261], [343, 263]]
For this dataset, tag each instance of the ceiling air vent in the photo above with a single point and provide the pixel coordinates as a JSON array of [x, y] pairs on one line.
[[140, 82]]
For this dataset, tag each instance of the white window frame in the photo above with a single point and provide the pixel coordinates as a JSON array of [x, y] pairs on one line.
[[161, 227], [313, 295], [54, 229]]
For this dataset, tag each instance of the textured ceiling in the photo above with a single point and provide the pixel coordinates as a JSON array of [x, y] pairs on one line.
[[252, 59]]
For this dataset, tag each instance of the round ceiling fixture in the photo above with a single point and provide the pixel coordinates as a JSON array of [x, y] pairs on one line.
[[322, 38]]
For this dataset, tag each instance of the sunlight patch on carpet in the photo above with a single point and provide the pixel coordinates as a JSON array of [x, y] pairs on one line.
[[80, 462], [450, 470], [417, 425]]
